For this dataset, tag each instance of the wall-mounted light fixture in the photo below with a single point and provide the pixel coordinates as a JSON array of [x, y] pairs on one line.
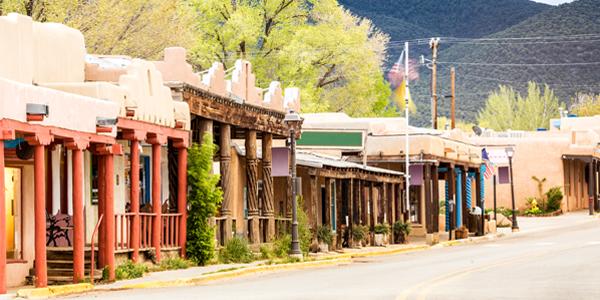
[[37, 111], [105, 124]]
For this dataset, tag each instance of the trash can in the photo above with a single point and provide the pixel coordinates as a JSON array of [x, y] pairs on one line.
[[475, 219]]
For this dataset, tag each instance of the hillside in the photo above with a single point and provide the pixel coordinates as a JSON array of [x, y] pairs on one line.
[[563, 27], [411, 19]]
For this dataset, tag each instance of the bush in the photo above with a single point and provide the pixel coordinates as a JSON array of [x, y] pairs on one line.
[[324, 234], [282, 246], [235, 251], [204, 199], [359, 232], [554, 198], [173, 264], [129, 270], [382, 229], [401, 227], [305, 234]]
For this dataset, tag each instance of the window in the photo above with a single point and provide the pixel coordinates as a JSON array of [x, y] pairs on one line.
[[12, 186], [415, 204], [144, 177]]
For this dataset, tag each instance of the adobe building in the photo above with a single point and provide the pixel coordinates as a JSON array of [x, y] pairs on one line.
[[69, 148], [442, 167], [567, 155]]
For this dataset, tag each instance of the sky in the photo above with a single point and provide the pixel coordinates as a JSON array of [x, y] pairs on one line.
[[554, 2]]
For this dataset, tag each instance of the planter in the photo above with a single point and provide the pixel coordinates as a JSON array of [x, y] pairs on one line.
[[402, 238], [358, 244], [323, 247], [380, 239]]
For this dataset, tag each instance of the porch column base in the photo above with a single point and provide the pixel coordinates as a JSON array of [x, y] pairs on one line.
[[227, 229], [432, 238], [254, 224]]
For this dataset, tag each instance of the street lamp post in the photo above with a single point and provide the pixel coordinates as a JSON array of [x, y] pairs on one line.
[[510, 152], [292, 119]]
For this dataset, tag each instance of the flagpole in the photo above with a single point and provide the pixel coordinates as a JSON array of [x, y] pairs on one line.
[[406, 130]]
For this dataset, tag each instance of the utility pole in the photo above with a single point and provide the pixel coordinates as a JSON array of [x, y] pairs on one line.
[[407, 171], [434, 44], [452, 91]]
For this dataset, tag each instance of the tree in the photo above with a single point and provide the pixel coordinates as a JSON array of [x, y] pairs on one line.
[[585, 105], [506, 110], [332, 55], [138, 28], [204, 199], [465, 127]]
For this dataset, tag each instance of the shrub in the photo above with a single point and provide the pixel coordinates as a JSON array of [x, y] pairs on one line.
[[204, 199], [359, 232], [554, 198], [305, 234], [235, 251], [173, 264], [129, 270], [324, 234], [401, 227], [281, 246], [382, 229]]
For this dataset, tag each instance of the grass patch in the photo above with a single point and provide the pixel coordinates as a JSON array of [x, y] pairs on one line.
[[223, 270], [172, 264], [235, 251]]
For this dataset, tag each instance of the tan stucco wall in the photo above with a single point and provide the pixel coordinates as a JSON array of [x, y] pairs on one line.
[[40, 52]]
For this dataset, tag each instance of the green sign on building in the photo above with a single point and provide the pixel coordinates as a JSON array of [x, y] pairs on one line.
[[331, 139]]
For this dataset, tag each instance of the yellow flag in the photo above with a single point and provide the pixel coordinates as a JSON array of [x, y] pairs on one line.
[[399, 98]]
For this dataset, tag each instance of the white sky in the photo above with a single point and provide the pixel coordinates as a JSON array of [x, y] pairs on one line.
[[554, 2]]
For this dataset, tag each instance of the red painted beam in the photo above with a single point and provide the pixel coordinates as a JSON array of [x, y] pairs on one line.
[[58, 132]]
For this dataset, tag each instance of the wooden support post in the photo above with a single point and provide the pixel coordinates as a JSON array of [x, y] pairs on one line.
[[78, 223], [327, 208], [156, 200], [3, 281], [338, 213], [251, 187], [359, 204], [268, 203], [101, 211], [591, 187], [373, 215], [452, 197], [428, 200], [351, 195], [109, 215], [41, 273], [464, 208], [225, 164], [436, 199], [478, 184], [314, 200], [182, 197], [135, 199], [595, 185]]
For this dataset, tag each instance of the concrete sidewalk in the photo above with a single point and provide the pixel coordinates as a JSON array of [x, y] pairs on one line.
[[197, 275]]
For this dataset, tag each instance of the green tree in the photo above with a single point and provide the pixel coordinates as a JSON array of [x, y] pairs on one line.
[[138, 28], [204, 199], [585, 105], [506, 109], [333, 56]]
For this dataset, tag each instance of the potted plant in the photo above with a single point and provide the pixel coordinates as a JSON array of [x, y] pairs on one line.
[[402, 231], [325, 237], [358, 234], [462, 232], [381, 232]]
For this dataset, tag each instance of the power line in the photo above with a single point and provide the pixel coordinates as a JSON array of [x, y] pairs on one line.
[[518, 65]]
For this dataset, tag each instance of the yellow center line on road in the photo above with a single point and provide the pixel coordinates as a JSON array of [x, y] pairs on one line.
[[456, 274]]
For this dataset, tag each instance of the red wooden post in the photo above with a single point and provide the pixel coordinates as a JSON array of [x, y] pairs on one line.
[[109, 208], [156, 199], [135, 199], [182, 197], [78, 225], [41, 273], [101, 211], [2, 223]]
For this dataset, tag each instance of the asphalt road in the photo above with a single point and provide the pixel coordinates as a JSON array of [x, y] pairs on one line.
[[550, 263]]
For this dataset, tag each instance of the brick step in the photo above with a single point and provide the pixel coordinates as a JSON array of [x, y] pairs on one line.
[[65, 264]]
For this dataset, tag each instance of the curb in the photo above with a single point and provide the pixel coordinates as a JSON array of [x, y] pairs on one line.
[[46, 292], [237, 273], [471, 240]]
